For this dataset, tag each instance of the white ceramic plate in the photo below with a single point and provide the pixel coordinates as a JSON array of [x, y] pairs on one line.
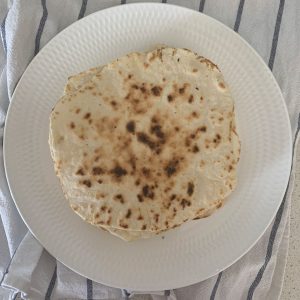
[[196, 250]]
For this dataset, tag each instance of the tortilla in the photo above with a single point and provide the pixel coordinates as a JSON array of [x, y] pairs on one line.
[[146, 142]]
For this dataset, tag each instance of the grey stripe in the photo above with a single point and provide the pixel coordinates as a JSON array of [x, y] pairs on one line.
[[201, 5], [6, 271], [89, 289], [82, 9], [3, 33], [41, 27], [215, 288], [51, 284], [126, 294], [269, 250], [239, 16], [17, 294], [272, 235], [276, 34], [163, 1], [296, 134], [123, 1]]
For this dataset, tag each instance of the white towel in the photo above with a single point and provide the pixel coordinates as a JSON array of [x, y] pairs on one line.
[[27, 271]]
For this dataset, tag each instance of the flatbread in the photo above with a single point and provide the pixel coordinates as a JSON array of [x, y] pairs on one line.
[[146, 142]]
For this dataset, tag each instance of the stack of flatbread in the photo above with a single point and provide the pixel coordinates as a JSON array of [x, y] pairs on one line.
[[146, 142]]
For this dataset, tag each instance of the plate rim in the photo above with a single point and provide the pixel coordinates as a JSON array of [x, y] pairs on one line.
[[133, 6]]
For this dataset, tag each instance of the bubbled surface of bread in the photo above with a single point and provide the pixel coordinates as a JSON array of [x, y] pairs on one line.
[[146, 143]]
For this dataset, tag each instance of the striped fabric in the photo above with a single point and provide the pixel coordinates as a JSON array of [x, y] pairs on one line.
[[27, 271]]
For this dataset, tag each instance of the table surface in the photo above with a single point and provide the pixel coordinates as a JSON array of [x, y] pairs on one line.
[[291, 286]]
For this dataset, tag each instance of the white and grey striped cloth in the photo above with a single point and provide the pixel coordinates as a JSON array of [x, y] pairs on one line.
[[27, 271]]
